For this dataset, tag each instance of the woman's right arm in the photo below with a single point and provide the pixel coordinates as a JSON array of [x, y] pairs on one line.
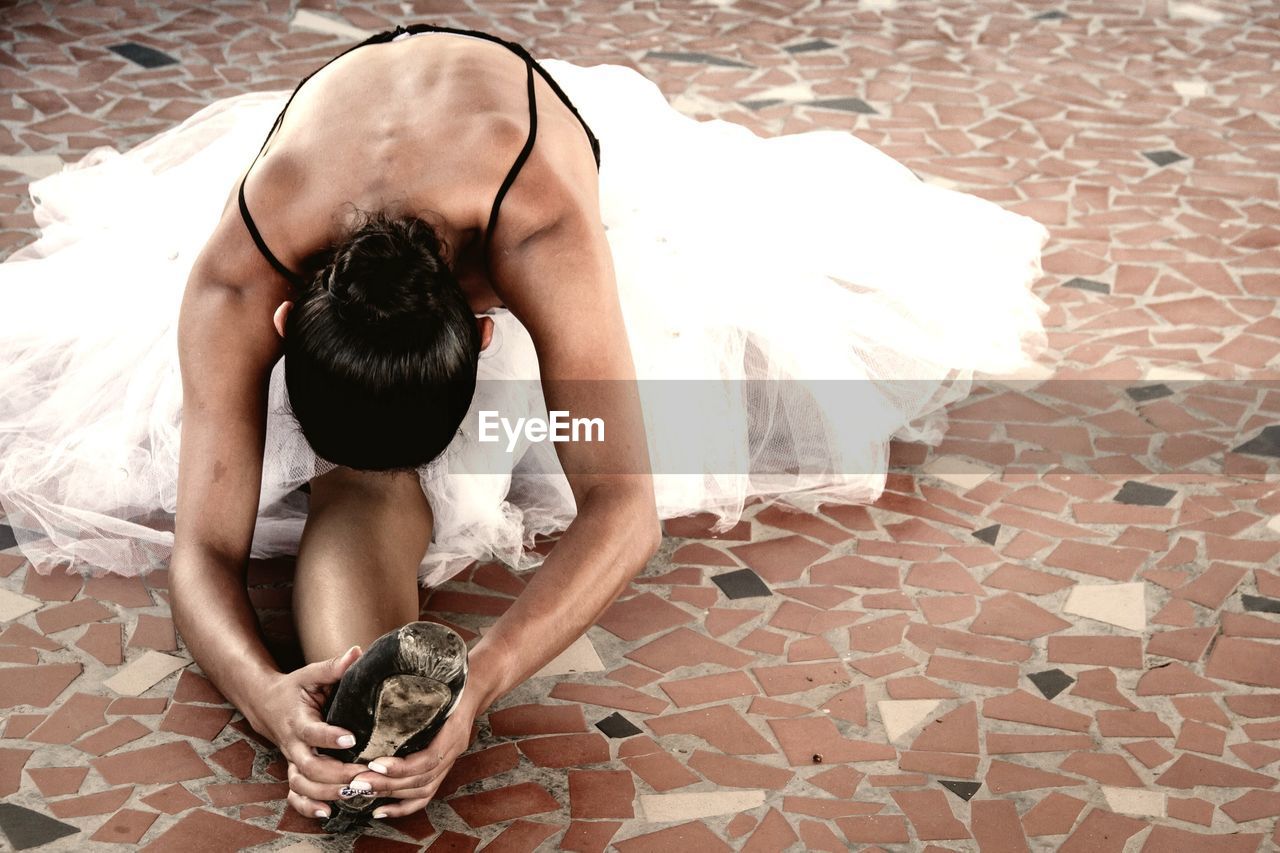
[[227, 346]]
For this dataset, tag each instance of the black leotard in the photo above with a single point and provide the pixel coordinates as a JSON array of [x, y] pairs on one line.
[[530, 63]]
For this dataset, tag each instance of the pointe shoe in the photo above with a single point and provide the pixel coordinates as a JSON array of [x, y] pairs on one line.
[[394, 699]]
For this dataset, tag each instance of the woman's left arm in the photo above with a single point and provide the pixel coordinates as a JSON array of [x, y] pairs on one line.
[[560, 283]]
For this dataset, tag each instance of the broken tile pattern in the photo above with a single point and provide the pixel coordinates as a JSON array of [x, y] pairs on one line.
[[1044, 729]]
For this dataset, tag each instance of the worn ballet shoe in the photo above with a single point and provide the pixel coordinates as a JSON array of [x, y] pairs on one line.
[[394, 699]]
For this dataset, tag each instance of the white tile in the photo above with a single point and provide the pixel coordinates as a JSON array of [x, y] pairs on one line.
[[1274, 524], [13, 605], [32, 165], [1032, 372], [580, 656], [791, 92], [1191, 88], [1195, 12], [879, 4], [300, 847], [1120, 604], [1134, 801], [141, 674], [939, 181], [901, 716], [1172, 374], [315, 23], [662, 808], [958, 472]]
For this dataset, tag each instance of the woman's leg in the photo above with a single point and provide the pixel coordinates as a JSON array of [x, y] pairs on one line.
[[357, 568]]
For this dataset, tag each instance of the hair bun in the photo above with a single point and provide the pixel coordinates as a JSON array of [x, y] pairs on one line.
[[381, 271]]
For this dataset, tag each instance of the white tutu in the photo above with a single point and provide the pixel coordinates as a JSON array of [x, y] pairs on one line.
[[793, 260]]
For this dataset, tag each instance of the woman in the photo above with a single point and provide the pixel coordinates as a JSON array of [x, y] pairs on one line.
[[422, 179]]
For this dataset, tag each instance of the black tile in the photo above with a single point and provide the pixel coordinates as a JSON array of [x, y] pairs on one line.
[[848, 105], [1051, 682], [1163, 158], [809, 46], [743, 583], [1266, 443], [25, 828], [1051, 16], [617, 726], [987, 534], [140, 54], [7, 539], [1144, 494], [760, 103], [704, 58], [1088, 284], [1144, 393], [1258, 604], [963, 790]]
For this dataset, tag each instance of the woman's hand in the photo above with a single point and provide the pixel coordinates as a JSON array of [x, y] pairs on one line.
[[288, 713], [415, 778]]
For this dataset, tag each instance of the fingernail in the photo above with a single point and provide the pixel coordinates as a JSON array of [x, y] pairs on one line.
[[361, 786], [347, 741], [377, 768], [379, 815], [322, 814]]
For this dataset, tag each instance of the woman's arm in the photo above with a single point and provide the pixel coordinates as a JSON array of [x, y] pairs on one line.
[[227, 347]]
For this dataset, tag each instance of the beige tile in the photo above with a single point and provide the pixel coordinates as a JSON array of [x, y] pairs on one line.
[[33, 165], [1136, 801], [1195, 12], [139, 675], [958, 472], [314, 23], [901, 716], [1120, 604], [1191, 88], [580, 656], [661, 808], [13, 605]]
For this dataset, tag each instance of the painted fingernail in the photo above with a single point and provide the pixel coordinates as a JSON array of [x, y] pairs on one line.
[[346, 792], [379, 815], [377, 768], [322, 814], [347, 741], [361, 786]]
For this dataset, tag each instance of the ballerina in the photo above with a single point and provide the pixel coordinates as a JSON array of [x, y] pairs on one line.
[[431, 226]]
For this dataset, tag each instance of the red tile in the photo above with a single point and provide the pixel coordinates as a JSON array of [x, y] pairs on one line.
[[996, 827], [133, 706], [970, 671], [1102, 831], [237, 759], [521, 836], [878, 635], [703, 689], [1107, 769], [721, 620], [1005, 777], [481, 764], [634, 676], [944, 577], [641, 616], [51, 620], [126, 826], [887, 829], [20, 635], [1190, 809], [1192, 770], [566, 750], [882, 665], [1253, 805], [1117, 564], [595, 794], [53, 781], [930, 814], [917, 687], [154, 632], [954, 731], [1243, 661], [999, 743], [1021, 707], [702, 555], [589, 836], [826, 807], [174, 761], [660, 771], [226, 794], [719, 725], [732, 772], [91, 804], [503, 804], [537, 719], [1055, 814], [112, 737], [856, 572], [11, 763], [1131, 724], [196, 720], [103, 641], [796, 678], [816, 740], [1188, 644], [944, 609], [931, 638], [780, 560], [61, 584], [773, 834], [37, 686], [1100, 685], [849, 705], [193, 832], [172, 800], [196, 688], [840, 782], [817, 836], [82, 712], [1124, 652], [1167, 839], [803, 523], [946, 764], [683, 647], [621, 698], [1198, 737], [811, 648]]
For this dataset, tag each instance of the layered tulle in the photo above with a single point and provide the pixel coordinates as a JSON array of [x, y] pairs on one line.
[[826, 298]]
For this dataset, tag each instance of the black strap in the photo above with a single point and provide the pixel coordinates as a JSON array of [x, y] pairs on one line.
[[520, 161]]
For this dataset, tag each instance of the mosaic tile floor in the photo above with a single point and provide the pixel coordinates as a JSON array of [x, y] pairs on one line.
[[1055, 631]]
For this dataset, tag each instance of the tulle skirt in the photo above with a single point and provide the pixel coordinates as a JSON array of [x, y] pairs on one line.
[[824, 297]]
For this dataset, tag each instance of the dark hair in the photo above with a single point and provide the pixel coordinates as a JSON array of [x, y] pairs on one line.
[[381, 348]]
